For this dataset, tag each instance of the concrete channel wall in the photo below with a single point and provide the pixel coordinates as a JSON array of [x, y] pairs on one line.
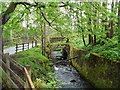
[[100, 72]]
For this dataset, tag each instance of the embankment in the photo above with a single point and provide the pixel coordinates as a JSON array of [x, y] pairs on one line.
[[101, 72]]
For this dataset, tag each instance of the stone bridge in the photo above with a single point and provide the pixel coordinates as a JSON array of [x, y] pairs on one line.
[[59, 43]]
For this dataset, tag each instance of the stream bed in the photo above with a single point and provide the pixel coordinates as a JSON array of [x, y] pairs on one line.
[[68, 76]]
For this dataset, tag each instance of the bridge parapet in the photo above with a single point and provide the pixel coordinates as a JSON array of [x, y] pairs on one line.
[[58, 42], [56, 39]]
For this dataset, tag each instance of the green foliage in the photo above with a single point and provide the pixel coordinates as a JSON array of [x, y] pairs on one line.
[[42, 72], [74, 20], [22, 24], [42, 84], [33, 58], [109, 50], [90, 22]]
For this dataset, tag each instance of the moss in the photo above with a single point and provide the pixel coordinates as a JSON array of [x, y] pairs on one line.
[[94, 75], [99, 71]]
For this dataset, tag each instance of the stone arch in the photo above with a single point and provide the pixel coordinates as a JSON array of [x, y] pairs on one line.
[[65, 50], [64, 46]]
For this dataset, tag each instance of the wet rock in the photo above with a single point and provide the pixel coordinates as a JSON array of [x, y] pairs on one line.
[[73, 81], [69, 69], [55, 67]]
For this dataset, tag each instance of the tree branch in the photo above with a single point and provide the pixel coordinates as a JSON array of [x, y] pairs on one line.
[[54, 19], [10, 9], [45, 18], [12, 6], [64, 4], [49, 22]]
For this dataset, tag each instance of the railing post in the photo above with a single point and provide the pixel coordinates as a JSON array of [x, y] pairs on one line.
[[28, 67], [16, 47], [29, 71], [36, 43], [7, 63], [32, 44], [23, 47], [28, 45]]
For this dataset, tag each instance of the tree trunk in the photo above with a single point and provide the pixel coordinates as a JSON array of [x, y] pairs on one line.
[[105, 20], [94, 40], [83, 38], [109, 28], [3, 19], [10, 9], [1, 45], [119, 16], [104, 4], [44, 41], [95, 22], [27, 30], [90, 38], [111, 24], [119, 25]]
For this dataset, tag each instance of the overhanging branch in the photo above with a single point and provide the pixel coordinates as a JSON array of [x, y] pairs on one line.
[[10, 9], [12, 6], [49, 23]]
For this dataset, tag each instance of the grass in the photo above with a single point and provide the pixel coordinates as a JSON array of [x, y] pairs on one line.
[[42, 71]]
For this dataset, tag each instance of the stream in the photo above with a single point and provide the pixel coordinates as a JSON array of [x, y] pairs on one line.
[[67, 74]]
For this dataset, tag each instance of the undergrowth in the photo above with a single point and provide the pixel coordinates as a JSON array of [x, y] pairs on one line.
[[110, 48], [42, 71]]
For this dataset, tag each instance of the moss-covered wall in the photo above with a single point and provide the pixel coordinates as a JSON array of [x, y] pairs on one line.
[[102, 73]]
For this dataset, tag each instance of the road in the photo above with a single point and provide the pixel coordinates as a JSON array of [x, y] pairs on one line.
[[11, 50]]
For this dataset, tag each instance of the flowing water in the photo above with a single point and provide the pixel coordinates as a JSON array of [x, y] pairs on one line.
[[68, 76]]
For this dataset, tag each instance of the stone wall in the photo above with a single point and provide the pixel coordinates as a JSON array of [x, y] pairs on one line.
[[102, 73]]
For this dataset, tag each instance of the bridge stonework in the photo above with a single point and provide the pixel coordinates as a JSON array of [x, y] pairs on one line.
[[64, 46], [56, 39]]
